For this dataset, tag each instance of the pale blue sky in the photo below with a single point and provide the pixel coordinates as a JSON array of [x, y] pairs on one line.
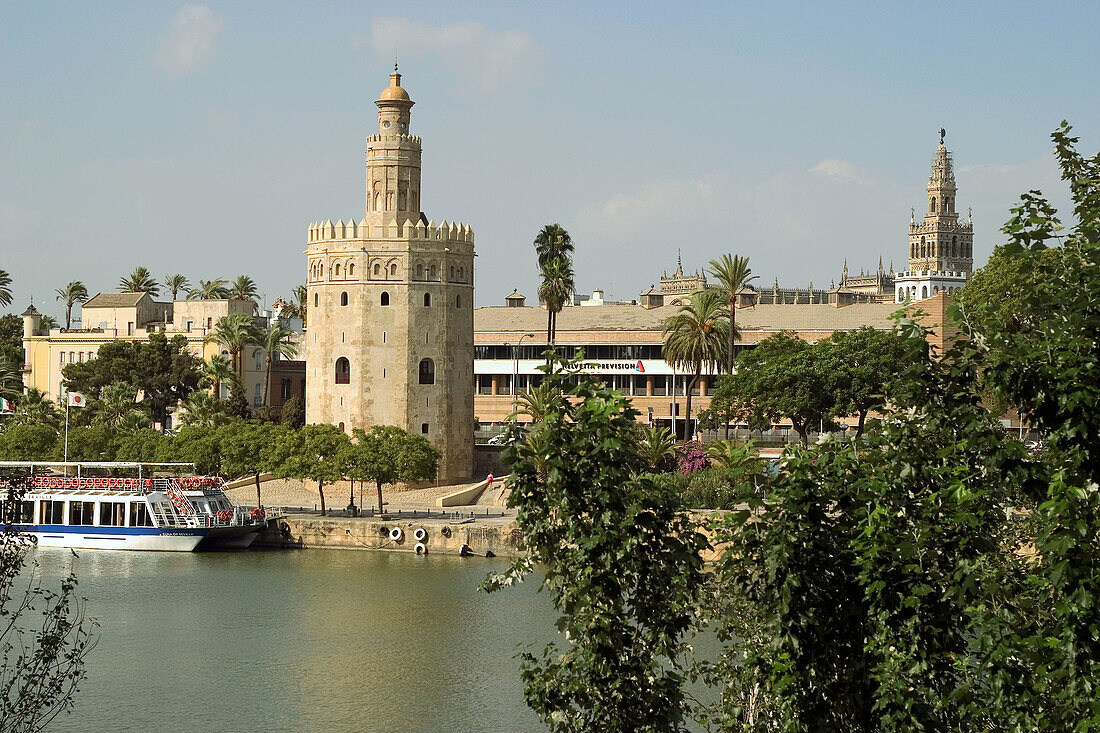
[[203, 139]]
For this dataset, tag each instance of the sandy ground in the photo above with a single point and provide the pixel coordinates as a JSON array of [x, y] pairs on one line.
[[292, 493]]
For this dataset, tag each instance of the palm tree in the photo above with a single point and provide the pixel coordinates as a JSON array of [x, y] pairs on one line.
[[35, 407], [133, 421], [139, 281], [244, 288], [115, 402], [5, 288], [696, 336], [11, 379], [235, 333], [733, 274], [201, 408], [656, 444], [176, 283], [538, 403], [553, 242], [46, 323], [74, 292], [209, 290], [555, 290], [301, 300], [275, 340], [217, 371]]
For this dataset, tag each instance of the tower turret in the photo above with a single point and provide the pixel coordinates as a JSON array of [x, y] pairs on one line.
[[393, 160]]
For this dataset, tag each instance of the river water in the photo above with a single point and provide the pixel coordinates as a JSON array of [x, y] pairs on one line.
[[310, 640]]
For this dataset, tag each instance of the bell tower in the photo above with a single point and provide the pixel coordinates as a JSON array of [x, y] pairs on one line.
[[941, 255]]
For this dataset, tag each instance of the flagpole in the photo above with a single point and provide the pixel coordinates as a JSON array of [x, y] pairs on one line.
[[66, 433]]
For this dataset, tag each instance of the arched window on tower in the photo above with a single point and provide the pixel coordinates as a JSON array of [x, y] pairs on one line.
[[393, 270], [433, 273], [427, 371], [351, 269], [923, 248], [321, 270], [344, 298], [954, 246], [427, 299], [377, 201], [923, 292], [932, 205], [337, 272], [452, 273], [315, 299], [377, 269], [343, 370], [385, 299], [419, 271]]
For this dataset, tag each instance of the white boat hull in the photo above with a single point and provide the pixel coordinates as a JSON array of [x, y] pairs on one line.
[[174, 539]]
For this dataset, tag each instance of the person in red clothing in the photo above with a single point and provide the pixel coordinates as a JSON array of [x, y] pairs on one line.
[[489, 482]]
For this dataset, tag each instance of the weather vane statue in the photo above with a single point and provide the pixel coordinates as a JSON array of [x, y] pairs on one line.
[[943, 134]]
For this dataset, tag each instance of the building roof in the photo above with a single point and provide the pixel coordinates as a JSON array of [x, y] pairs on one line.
[[625, 317], [394, 90], [113, 300]]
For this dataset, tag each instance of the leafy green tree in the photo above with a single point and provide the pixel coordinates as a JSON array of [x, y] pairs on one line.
[[215, 289], [696, 337], [250, 448], [386, 454], [733, 275], [622, 565], [293, 414], [244, 288], [88, 443], [276, 342], [5, 288], [316, 457], [139, 445], [236, 405], [783, 377], [11, 379], [234, 333], [868, 360], [139, 281], [196, 444], [45, 638], [555, 291], [298, 304], [74, 292], [46, 323], [11, 339], [174, 284], [1043, 652], [27, 441], [164, 370]]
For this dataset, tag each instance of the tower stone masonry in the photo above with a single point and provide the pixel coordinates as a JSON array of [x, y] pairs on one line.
[[390, 324]]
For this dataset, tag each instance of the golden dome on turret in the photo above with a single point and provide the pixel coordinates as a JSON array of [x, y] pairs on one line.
[[394, 90]]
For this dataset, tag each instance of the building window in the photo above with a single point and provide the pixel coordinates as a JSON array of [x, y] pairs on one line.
[[209, 322], [337, 271], [427, 371], [424, 428], [393, 270], [190, 325], [432, 273], [341, 426], [377, 269], [343, 298], [284, 390], [351, 269], [458, 301], [419, 271], [130, 328], [932, 206], [343, 370], [385, 299], [257, 395], [427, 299], [316, 299]]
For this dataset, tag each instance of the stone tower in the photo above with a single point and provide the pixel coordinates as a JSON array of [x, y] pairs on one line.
[[941, 248], [390, 312]]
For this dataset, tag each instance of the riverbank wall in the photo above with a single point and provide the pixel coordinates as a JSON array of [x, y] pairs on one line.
[[489, 536]]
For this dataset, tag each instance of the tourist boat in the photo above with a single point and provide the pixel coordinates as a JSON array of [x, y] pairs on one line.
[[156, 507]]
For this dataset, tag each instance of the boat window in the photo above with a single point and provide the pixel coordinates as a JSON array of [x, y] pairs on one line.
[[139, 515], [53, 512], [81, 512], [112, 514]]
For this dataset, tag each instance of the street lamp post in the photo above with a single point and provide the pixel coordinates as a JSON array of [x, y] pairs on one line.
[[515, 366]]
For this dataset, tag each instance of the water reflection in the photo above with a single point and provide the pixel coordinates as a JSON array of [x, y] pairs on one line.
[[301, 641]]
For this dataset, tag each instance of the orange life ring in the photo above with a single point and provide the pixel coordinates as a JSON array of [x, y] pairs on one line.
[[148, 483]]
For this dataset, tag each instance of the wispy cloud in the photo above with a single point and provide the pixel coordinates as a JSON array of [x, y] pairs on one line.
[[842, 170], [190, 40], [665, 201], [480, 60]]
